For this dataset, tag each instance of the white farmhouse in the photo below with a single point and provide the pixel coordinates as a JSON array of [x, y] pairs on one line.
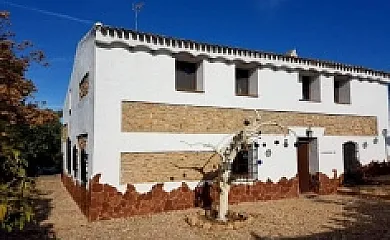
[[138, 103]]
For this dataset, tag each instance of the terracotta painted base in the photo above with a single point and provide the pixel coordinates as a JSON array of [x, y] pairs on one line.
[[102, 201], [78, 192]]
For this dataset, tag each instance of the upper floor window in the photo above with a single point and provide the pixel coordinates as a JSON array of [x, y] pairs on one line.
[[84, 86], [246, 81], [342, 89], [242, 81], [188, 76], [311, 90]]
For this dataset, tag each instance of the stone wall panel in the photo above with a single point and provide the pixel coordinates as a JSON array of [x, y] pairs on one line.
[[157, 117], [168, 166]]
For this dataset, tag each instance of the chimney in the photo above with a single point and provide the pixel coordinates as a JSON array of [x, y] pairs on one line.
[[98, 25], [292, 53]]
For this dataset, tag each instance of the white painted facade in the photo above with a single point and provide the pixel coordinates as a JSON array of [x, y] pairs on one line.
[[133, 69]]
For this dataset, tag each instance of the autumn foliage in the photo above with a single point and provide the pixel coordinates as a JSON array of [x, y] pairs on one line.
[[17, 111], [15, 89]]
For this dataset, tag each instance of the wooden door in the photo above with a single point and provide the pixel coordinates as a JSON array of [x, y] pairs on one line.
[[303, 166], [351, 163]]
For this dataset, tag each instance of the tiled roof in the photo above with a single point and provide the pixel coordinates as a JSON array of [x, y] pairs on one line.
[[161, 39]]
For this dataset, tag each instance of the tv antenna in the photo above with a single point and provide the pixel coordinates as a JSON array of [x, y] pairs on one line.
[[137, 8]]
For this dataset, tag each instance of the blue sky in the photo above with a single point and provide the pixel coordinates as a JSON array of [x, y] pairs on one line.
[[348, 31]]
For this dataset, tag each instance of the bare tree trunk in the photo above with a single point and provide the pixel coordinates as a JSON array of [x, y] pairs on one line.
[[224, 186], [228, 152]]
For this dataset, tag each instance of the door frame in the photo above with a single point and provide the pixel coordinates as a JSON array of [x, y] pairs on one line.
[[351, 164], [308, 182]]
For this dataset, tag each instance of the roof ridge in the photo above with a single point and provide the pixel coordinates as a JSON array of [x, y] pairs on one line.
[[328, 63]]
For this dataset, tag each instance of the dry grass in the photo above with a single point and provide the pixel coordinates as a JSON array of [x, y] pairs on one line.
[[325, 217]]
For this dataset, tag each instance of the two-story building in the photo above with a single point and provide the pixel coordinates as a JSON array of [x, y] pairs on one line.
[[139, 104]]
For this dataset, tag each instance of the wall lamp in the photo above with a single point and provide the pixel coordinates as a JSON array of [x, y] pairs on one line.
[[309, 132]]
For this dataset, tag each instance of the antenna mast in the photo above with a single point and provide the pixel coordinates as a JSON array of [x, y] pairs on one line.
[[137, 8]]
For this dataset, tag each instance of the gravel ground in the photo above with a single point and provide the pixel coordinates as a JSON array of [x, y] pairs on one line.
[[324, 217]]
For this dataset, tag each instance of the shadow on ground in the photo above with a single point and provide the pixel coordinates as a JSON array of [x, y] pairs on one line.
[[359, 219], [37, 229]]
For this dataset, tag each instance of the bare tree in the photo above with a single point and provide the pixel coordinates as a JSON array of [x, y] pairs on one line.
[[228, 150]]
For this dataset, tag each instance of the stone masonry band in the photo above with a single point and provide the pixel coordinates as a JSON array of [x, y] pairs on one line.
[[167, 166], [157, 117]]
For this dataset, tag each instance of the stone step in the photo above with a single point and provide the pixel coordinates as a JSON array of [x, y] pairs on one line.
[[366, 191], [381, 180], [308, 195]]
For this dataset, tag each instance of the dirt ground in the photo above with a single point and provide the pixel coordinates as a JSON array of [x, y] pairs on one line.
[[324, 217]]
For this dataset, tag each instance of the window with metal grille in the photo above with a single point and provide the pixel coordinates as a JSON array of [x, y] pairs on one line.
[[240, 164], [244, 166]]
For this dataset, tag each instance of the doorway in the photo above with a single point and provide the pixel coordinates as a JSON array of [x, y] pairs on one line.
[[83, 166], [351, 163], [75, 161], [308, 165], [69, 156]]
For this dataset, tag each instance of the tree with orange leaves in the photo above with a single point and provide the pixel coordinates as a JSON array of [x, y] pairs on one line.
[[17, 111]]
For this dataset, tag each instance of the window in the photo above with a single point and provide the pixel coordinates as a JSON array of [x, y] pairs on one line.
[[84, 166], [240, 164], [82, 142], [246, 81], [242, 81], [75, 161], [306, 81], [244, 166], [311, 90], [342, 90], [188, 76], [84, 86], [64, 132], [69, 156]]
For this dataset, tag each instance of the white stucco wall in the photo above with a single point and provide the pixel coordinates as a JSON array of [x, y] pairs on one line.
[[121, 74], [80, 120]]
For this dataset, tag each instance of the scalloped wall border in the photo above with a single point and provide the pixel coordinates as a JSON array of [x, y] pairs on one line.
[[157, 44]]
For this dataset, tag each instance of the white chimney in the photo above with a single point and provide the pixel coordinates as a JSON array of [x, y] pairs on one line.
[[98, 24], [292, 53]]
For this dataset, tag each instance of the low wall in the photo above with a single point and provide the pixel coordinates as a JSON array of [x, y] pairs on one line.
[[103, 201], [376, 168]]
